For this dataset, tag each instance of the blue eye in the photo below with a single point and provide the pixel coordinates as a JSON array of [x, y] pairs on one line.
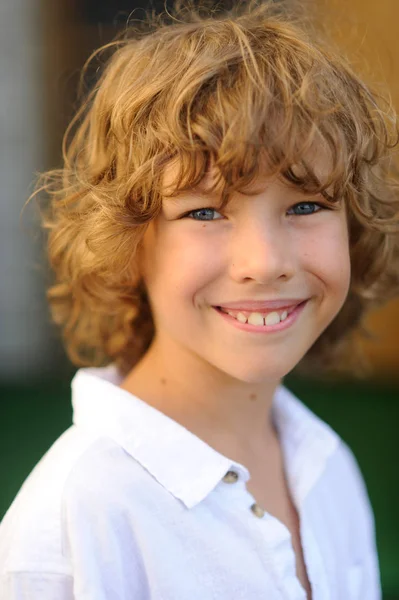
[[202, 210], [302, 208], [306, 208]]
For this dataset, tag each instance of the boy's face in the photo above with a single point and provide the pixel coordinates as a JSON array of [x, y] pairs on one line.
[[261, 248]]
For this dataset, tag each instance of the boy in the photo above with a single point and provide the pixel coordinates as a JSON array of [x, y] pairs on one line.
[[208, 232]]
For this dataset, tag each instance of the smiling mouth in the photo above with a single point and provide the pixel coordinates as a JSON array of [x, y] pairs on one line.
[[263, 320], [254, 317]]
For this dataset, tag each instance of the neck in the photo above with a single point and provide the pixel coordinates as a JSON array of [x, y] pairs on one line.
[[233, 417]]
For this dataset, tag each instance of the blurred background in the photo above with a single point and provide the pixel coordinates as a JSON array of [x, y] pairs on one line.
[[43, 47]]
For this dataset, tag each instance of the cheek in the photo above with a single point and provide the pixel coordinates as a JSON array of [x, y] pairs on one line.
[[178, 263], [327, 257]]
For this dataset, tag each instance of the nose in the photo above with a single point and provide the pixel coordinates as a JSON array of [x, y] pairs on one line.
[[262, 251]]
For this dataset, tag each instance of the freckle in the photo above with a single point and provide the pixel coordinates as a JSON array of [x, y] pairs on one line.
[[163, 380], [252, 397]]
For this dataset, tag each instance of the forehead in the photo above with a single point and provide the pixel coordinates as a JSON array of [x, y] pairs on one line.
[[317, 160]]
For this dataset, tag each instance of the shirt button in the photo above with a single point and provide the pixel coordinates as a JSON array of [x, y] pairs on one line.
[[230, 477], [257, 510]]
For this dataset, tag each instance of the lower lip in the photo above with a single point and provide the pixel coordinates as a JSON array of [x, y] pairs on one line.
[[290, 320]]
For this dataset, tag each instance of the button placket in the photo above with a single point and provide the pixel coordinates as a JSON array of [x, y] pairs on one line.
[[232, 477], [280, 535], [257, 510]]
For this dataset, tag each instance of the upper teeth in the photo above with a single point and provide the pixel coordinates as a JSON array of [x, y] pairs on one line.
[[256, 318]]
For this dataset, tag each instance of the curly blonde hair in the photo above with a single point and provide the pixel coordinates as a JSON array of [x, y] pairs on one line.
[[233, 88]]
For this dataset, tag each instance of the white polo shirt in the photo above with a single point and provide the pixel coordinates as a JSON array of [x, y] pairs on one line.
[[129, 505]]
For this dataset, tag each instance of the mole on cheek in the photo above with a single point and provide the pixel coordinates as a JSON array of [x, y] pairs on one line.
[[163, 380], [252, 397]]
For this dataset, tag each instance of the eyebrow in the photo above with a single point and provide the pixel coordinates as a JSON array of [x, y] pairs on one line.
[[194, 194]]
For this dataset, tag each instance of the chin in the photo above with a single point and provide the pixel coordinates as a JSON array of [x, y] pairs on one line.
[[258, 374]]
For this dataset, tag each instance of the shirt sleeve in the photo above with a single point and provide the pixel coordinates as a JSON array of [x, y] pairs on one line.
[[364, 575], [32, 585]]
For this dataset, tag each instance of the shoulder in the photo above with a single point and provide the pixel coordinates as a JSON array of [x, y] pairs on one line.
[[321, 461], [104, 480], [351, 486], [351, 522], [32, 532]]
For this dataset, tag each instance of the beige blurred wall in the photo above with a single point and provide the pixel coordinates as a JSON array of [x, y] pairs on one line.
[[367, 32]]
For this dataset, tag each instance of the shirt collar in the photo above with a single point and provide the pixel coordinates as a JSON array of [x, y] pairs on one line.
[[179, 460]]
